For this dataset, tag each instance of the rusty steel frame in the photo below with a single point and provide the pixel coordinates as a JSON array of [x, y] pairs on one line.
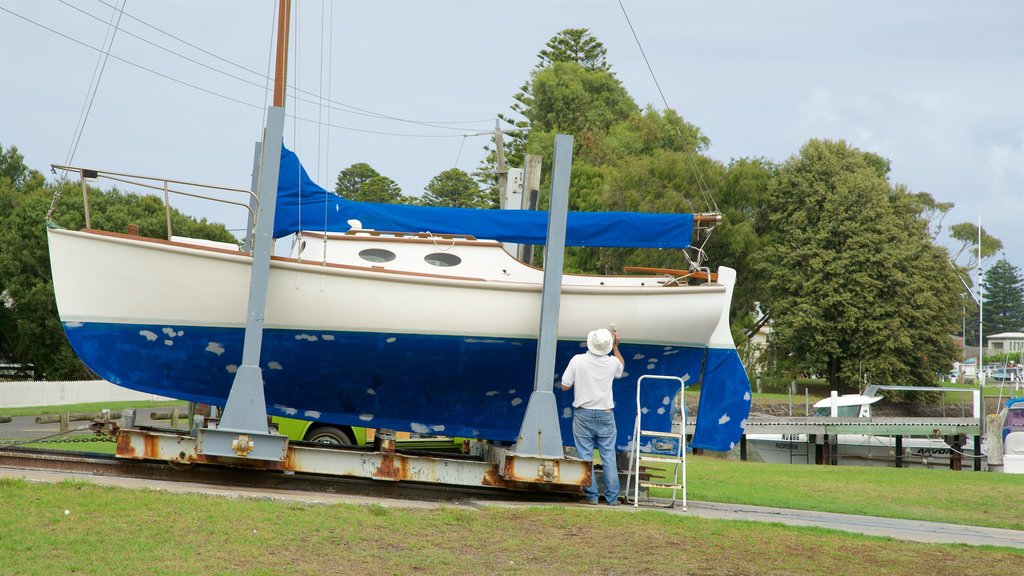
[[495, 467]]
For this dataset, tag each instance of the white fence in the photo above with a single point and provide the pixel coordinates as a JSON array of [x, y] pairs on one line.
[[20, 394]]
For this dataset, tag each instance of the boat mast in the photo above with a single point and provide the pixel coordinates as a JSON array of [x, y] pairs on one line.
[[243, 431], [284, 16]]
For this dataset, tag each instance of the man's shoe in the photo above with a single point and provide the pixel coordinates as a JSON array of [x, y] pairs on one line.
[[588, 501], [614, 503]]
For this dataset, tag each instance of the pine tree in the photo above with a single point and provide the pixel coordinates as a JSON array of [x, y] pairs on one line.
[[456, 189], [1004, 299]]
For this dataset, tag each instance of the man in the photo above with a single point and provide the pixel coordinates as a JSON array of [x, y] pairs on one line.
[[591, 375]]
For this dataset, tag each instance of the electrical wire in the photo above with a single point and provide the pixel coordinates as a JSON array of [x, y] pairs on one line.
[[308, 97], [220, 95], [347, 108], [130, 63]]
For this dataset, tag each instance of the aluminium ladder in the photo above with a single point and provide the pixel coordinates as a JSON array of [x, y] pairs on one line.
[[678, 460]]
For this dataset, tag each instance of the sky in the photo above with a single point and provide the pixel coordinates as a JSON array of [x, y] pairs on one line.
[[937, 87]]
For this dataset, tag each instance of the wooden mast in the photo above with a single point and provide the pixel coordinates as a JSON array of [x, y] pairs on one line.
[[281, 69]]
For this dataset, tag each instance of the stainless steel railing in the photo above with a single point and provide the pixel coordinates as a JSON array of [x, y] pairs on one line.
[[164, 185]]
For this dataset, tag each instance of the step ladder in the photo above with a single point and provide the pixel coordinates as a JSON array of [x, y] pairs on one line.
[[678, 460]]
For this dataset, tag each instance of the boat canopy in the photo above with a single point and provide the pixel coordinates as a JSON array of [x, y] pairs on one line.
[[302, 205]]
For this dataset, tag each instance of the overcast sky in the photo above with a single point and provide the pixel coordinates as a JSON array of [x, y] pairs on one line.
[[937, 87]]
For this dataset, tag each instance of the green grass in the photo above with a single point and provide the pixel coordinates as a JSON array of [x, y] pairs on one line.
[[91, 407], [974, 498], [115, 531]]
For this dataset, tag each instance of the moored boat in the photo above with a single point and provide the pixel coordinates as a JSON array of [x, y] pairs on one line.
[[855, 449]]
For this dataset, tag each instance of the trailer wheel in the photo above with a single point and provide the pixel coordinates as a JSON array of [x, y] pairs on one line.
[[329, 435]]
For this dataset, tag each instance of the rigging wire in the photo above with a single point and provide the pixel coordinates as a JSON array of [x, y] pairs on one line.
[[701, 184], [330, 67], [94, 84]]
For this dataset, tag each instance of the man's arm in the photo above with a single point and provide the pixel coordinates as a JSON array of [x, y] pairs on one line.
[[615, 347]]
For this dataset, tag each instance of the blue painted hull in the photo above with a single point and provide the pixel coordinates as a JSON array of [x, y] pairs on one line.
[[445, 385]]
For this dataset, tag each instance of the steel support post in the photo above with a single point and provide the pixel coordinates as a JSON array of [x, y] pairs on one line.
[[540, 434], [977, 452], [899, 451], [243, 430]]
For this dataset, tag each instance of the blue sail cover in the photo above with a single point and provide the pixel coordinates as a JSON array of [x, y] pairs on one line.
[[302, 205]]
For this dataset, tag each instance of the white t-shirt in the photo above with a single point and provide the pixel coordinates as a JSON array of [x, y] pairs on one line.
[[591, 376]]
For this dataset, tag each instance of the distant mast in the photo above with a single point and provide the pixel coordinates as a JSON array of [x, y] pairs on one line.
[[281, 69]]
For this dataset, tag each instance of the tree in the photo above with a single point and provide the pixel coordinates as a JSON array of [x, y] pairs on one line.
[[351, 179], [30, 330], [360, 182], [1004, 299], [967, 234], [575, 45], [853, 281], [455, 188], [383, 190], [572, 45]]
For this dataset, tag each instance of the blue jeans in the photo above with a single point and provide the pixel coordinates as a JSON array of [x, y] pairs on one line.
[[590, 427]]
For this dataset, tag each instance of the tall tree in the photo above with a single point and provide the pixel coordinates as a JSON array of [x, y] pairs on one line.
[[30, 330], [455, 188], [575, 45], [572, 45], [1004, 299], [853, 281]]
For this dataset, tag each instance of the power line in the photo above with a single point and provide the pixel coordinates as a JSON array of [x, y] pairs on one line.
[[130, 63], [217, 94], [347, 108]]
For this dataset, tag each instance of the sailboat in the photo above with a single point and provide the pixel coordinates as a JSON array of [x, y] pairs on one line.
[[399, 317]]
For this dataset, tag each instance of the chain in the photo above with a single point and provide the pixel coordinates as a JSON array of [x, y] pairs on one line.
[[56, 194], [74, 440], [102, 435]]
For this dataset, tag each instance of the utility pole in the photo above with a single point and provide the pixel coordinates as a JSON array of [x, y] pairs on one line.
[[499, 155]]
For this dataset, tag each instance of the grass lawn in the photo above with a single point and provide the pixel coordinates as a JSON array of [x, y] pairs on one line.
[[974, 498], [92, 407], [115, 531]]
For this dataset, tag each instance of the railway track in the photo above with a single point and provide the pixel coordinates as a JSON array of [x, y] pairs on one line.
[[110, 466]]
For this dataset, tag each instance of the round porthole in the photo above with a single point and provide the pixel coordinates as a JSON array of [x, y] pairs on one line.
[[377, 255], [442, 259]]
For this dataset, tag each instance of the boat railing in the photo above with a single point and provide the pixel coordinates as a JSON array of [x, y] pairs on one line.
[[194, 190]]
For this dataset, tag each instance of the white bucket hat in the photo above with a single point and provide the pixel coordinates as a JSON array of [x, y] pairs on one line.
[[599, 342]]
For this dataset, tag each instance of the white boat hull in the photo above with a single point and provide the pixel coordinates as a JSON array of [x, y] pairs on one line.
[[369, 345]]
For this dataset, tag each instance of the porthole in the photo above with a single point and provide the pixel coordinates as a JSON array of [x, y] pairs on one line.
[[443, 259], [377, 255]]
